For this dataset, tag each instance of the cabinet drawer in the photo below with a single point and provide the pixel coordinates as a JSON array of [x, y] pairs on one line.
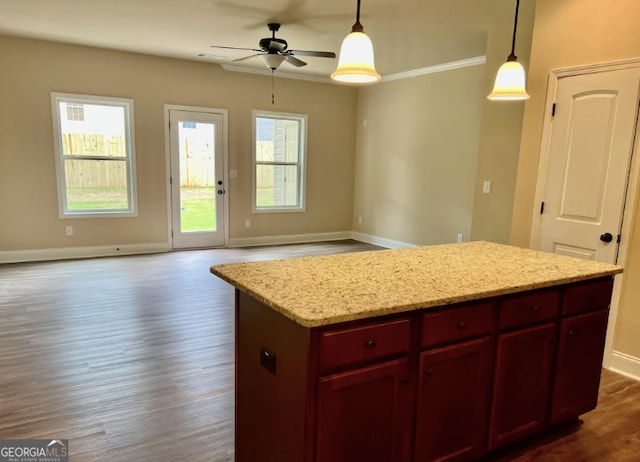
[[354, 345], [529, 309], [587, 296], [450, 325]]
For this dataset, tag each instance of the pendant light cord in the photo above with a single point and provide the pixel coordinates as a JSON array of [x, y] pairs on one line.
[[357, 27], [512, 56]]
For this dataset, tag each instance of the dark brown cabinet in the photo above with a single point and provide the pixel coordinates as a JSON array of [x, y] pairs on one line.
[[583, 328], [577, 376], [447, 383], [452, 403], [364, 414], [524, 361]]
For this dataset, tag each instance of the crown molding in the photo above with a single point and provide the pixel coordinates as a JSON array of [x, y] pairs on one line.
[[476, 61]]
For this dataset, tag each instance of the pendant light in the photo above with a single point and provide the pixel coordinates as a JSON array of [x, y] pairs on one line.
[[510, 80], [355, 64]]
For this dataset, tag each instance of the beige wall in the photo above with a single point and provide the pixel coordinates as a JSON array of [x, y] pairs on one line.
[[501, 128], [416, 157], [570, 33], [32, 69], [425, 185]]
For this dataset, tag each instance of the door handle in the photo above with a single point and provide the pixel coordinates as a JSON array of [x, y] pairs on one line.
[[221, 191], [606, 237]]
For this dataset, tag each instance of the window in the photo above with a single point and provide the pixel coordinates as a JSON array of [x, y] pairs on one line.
[[94, 155], [75, 111], [279, 152]]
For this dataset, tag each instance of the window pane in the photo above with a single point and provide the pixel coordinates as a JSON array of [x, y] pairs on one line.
[[92, 130], [287, 141], [276, 185], [96, 185], [265, 139], [277, 140], [197, 176]]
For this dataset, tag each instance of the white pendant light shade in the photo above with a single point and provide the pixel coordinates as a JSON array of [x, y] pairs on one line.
[[510, 80], [356, 63], [510, 83]]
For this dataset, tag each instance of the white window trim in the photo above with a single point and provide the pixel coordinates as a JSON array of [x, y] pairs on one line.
[[301, 207], [59, 158]]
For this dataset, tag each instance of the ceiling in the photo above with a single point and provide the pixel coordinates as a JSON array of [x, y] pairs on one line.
[[407, 34]]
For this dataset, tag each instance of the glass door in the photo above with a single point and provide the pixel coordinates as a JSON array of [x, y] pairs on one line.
[[197, 179]]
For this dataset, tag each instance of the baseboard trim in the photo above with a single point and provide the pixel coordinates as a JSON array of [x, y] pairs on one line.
[[68, 253], [625, 364], [381, 241], [287, 239]]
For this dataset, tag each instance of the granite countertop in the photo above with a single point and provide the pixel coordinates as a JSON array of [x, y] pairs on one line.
[[316, 291]]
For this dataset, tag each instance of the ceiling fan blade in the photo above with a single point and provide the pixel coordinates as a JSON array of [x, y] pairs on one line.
[[209, 55], [317, 54], [247, 57], [295, 61], [235, 48]]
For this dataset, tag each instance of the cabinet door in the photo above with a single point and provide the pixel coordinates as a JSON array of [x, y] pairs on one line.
[[365, 415], [579, 365], [522, 383], [453, 396]]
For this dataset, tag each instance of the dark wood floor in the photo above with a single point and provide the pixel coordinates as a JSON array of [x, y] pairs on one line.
[[131, 359]]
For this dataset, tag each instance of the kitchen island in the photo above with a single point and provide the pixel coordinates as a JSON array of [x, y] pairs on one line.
[[429, 353]]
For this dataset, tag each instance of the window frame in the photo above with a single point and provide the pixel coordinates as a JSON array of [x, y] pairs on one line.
[[302, 119], [127, 105]]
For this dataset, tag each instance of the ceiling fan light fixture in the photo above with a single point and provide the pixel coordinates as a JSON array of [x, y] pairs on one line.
[[356, 63], [273, 60], [510, 79]]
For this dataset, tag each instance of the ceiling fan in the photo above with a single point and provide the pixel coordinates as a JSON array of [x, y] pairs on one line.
[[275, 50]]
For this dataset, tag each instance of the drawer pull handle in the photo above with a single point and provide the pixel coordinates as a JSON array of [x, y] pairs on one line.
[[403, 379], [462, 325], [428, 372], [370, 344], [535, 309], [592, 298]]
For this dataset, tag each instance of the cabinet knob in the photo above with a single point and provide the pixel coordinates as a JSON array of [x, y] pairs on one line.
[[462, 325], [592, 298], [403, 379], [428, 372], [535, 309], [370, 344], [570, 332]]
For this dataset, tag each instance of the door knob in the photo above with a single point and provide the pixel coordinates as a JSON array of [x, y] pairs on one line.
[[606, 237]]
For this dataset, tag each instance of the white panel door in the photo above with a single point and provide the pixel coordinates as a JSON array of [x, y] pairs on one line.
[[588, 164], [197, 179]]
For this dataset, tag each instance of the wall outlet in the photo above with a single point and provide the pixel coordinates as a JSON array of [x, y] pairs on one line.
[[68, 230], [486, 187], [247, 223], [359, 220], [459, 237], [233, 173]]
